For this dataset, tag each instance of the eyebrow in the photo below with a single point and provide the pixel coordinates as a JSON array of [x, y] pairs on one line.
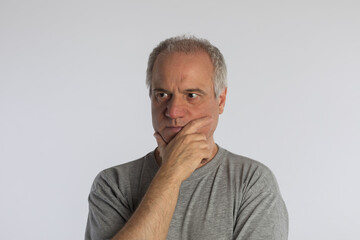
[[189, 90], [160, 90], [195, 90]]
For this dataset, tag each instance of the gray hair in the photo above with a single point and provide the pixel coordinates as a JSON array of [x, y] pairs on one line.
[[191, 44]]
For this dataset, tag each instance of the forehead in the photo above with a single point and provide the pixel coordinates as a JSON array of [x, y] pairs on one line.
[[179, 67]]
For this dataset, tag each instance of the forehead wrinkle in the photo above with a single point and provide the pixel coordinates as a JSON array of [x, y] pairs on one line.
[[172, 73]]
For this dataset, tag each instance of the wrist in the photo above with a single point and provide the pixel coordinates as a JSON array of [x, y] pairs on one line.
[[168, 177]]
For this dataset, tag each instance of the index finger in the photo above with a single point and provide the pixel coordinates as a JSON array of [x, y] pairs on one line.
[[194, 125]]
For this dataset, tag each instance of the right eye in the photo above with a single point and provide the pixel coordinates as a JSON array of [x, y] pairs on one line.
[[161, 96]]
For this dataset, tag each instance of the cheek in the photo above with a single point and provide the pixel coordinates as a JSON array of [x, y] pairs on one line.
[[209, 129], [154, 116], [208, 110], [213, 125], [213, 112], [157, 116]]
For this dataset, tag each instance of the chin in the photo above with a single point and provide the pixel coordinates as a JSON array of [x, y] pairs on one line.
[[168, 139], [168, 136]]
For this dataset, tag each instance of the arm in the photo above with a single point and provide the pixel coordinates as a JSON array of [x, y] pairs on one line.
[[152, 218], [179, 158], [262, 214]]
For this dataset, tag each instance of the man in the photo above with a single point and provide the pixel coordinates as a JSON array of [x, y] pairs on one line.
[[188, 187]]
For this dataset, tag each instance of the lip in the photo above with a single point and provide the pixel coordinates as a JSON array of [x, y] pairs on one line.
[[174, 129]]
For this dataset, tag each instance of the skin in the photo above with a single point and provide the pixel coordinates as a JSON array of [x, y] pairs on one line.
[[182, 91], [185, 113]]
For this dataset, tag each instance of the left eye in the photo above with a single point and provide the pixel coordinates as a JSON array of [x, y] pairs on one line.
[[192, 95]]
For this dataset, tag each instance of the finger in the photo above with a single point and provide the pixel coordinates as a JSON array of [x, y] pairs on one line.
[[196, 124], [203, 151], [160, 141]]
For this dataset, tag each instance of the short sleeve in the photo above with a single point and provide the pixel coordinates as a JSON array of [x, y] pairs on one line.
[[108, 209], [262, 214]]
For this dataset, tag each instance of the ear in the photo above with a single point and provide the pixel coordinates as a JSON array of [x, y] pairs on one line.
[[222, 100]]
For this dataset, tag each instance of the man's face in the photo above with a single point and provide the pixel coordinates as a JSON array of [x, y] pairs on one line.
[[182, 90]]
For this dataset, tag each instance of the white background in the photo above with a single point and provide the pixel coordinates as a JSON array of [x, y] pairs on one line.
[[73, 101]]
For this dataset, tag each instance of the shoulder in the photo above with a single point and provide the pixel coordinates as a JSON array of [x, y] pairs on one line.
[[249, 173], [257, 198], [123, 174]]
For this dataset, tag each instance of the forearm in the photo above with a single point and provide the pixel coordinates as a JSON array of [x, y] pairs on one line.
[[178, 158], [152, 218]]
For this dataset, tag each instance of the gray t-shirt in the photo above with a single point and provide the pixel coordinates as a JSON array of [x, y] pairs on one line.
[[231, 197]]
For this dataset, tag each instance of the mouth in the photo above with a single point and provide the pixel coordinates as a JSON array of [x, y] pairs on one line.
[[174, 129]]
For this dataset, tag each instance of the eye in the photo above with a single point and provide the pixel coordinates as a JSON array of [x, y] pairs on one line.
[[192, 95], [161, 96]]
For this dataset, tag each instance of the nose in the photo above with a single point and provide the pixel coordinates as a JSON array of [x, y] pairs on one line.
[[175, 108]]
